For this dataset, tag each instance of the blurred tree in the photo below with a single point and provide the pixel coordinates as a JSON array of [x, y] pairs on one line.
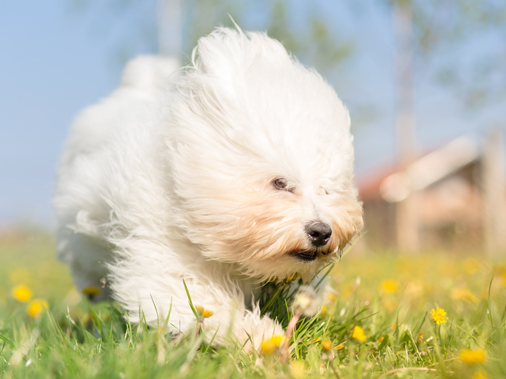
[[310, 38], [310, 34], [441, 30], [424, 30], [444, 30], [306, 29]]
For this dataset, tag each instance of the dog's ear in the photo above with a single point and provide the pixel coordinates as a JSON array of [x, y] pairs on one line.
[[219, 56], [227, 54]]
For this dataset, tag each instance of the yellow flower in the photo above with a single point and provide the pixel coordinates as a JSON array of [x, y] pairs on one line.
[[358, 334], [323, 311], [292, 277], [439, 316], [271, 345], [22, 293], [472, 357], [90, 291], [36, 307], [460, 293], [326, 345], [388, 286], [204, 312]]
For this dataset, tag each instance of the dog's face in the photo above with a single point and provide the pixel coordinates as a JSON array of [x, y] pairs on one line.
[[262, 159]]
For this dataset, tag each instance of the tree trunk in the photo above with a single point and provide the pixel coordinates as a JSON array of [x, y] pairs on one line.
[[407, 228]]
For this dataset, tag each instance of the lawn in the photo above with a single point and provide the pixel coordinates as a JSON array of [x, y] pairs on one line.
[[435, 315]]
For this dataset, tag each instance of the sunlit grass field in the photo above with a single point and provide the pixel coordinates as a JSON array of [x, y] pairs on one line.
[[391, 316]]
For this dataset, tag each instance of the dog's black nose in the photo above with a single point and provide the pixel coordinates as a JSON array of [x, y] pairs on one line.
[[319, 233]]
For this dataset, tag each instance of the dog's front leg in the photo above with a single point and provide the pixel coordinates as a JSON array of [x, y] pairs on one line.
[[162, 296], [231, 322]]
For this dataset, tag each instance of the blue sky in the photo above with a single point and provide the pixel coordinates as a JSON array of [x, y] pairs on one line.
[[54, 61]]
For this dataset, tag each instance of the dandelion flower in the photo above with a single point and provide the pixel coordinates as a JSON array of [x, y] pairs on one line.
[[292, 277], [204, 312], [439, 316], [22, 293], [358, 334], [270, 346], [388, 286], [326, 345], [472, 357], [36, 307], [323, 311]]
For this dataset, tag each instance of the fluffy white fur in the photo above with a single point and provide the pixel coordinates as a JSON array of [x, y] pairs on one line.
[[171, 178]]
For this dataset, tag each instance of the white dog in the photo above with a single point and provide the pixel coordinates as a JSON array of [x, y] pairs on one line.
[[237, 171]]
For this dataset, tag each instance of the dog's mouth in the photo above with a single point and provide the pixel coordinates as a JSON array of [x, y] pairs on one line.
[[304, 255]]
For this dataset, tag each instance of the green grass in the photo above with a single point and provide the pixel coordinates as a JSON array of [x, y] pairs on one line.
[[389, 296]]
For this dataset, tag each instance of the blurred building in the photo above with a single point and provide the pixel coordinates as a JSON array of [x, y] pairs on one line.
[[455, 202]]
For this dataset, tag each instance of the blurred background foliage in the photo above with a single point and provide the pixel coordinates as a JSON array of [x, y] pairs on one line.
[[442, 31]]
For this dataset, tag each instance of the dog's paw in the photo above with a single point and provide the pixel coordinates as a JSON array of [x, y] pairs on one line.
[[258, 329]]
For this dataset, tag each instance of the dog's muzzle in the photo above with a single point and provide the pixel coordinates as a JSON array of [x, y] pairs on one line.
[[318, 233], [308, 255], [305, 255]]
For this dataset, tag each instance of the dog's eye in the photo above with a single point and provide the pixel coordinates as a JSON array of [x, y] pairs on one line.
[[280, 184]]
